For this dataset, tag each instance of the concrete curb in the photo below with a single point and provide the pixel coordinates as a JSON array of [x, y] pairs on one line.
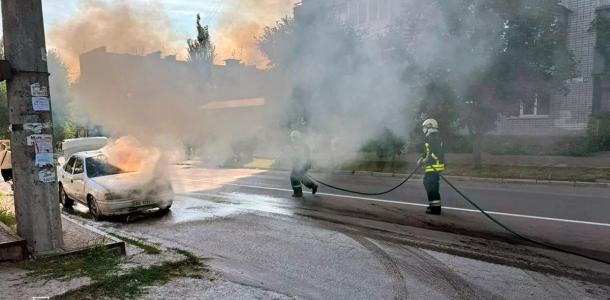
[[115, 244]]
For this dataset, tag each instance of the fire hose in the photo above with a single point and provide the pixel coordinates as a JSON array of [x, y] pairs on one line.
[[363, 193], [475, 205]]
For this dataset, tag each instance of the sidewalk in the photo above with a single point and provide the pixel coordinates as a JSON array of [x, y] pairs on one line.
[[77, 236]]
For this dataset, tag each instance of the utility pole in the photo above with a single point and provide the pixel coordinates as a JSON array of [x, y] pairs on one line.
[[36, 192]]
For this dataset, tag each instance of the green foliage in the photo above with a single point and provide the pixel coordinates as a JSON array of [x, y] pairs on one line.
[[4, 117], [201, 50], [386, 146], [61, 98], [148, 249], [96, 263], [601, 27], [8, 218], [598, 133], [273, 42]]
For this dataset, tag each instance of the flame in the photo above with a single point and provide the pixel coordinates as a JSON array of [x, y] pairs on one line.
[[128, 154]]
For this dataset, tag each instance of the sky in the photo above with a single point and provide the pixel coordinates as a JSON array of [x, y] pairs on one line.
[[181, 12], [142, 26]]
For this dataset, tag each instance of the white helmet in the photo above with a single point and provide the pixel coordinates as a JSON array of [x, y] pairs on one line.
[[295, 135], [429, 124]]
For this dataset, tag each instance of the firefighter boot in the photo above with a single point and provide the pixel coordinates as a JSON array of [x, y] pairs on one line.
[[298, 193], [434, 208]]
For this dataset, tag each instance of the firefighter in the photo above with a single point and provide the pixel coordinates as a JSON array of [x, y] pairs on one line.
[[433, 159], [300, 165]]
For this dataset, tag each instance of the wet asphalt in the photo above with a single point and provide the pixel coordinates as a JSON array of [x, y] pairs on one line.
[[342, 246]]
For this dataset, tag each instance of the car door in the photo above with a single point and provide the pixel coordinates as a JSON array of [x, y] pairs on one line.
[[66, 176], [78, 179]]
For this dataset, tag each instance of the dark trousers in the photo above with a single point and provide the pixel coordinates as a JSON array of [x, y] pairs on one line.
[[7, 174], [298, 178], [432, 185]]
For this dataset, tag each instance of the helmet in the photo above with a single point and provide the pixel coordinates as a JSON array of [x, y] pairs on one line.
[[429, 124], [295, 135]]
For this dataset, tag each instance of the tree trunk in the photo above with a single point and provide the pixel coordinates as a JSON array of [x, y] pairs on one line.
[[476, 148]]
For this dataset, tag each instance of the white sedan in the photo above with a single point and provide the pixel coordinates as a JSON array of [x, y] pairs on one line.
[[88, 178]]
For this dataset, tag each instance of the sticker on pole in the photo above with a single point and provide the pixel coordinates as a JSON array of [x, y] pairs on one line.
[[47, 175], [39, 91], [41, 104], [43, 146], [36, 127]]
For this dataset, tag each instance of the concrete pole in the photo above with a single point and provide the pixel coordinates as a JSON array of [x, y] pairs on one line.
[[36, 194]]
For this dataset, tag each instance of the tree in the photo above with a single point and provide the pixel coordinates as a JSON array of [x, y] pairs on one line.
[[201, 50], [533, 60], [601, 27], [59, 87], [496, 55]]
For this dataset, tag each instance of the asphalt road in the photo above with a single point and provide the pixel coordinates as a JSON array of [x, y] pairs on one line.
[[572, 216], [340, 246]]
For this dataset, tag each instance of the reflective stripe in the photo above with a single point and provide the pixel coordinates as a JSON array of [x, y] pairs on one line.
[[297, 186], [435, 203], [435, 168]]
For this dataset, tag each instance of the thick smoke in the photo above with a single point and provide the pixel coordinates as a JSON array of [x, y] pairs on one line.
[[341, 87], [241, 22], [123, 27]]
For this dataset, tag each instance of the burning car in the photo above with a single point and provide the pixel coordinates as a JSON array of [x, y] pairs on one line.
[[107, 189]]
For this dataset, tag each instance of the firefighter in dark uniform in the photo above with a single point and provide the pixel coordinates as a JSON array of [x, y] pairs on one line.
[[300, 165], [433, 160]]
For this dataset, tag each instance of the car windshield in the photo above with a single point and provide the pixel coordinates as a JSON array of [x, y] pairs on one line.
[[98, 166]]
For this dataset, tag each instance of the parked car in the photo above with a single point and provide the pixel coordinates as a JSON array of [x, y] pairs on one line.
[[68, 147], [88, 178]]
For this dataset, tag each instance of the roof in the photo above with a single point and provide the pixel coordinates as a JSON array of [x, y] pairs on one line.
[[238, 103]]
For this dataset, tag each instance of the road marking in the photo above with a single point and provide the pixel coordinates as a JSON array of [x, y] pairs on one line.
[[425, 205]]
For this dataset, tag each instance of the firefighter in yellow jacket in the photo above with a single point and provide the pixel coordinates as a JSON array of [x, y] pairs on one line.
[[433, 160]]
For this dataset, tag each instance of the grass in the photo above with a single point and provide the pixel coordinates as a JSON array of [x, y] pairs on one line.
[[96, 263], [8, 218], [538, 173], [103, 268], [148, 249], [494, 171]]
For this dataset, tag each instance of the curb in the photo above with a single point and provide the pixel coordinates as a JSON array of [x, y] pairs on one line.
[[116, 245]]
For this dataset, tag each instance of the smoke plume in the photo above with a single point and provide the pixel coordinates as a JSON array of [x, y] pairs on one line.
[[244, 20], [120, 26]]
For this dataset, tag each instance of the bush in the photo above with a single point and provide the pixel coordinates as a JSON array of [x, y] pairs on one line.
[[386, 146], [598, 133]]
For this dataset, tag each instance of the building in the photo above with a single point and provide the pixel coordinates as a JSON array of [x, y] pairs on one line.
[[553, 115], [233, 91], [367, 16], [568, 114]]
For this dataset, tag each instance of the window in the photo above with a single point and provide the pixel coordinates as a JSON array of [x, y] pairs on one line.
[[352, 13], [362, 12], [538, 106], [383, 9], [373, 9], [78, 166], [69, 165]]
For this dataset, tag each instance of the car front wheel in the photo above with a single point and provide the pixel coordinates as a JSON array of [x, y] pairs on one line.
[[94, 209]]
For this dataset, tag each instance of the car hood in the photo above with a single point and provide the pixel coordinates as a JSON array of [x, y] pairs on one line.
[[123, 182]]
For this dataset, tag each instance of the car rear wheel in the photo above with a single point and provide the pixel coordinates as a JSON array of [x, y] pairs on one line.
[[94, 209], [165, 209], [64, 199]]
